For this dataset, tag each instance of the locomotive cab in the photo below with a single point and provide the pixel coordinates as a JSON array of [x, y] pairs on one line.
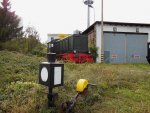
[[148, 52]]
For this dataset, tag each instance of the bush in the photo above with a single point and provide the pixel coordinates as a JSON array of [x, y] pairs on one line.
[[25, 46], [39, 50], [94, 53], [23, 97]]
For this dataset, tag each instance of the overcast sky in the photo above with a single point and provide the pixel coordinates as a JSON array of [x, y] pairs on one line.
[[65, 16]]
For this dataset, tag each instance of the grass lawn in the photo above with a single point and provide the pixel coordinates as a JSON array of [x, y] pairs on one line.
[[121, 88]]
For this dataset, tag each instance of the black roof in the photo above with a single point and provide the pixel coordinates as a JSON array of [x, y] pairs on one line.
[[115, 23]]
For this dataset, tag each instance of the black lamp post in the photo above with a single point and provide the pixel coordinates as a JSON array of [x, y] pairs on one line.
[[51, 74]]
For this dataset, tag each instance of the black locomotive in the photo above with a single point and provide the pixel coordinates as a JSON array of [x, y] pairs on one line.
[[73, 48]]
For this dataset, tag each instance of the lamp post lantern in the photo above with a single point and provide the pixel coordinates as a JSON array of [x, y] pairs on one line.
[[51, 74]]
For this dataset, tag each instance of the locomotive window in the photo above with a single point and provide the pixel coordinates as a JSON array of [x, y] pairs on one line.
[[52, 38], [52, 45]]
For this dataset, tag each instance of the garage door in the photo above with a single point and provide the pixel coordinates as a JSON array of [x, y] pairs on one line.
[[125, 48]]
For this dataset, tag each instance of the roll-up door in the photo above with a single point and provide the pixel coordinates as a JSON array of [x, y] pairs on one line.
[[125, 47]]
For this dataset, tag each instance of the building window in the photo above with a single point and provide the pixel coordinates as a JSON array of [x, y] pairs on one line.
[[115, 29], [137, 30]]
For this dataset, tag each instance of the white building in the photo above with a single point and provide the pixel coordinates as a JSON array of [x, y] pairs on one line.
[[122, 42], [57, 36]]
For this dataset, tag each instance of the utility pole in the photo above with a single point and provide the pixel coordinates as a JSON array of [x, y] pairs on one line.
[[88, 17], [102, 34]]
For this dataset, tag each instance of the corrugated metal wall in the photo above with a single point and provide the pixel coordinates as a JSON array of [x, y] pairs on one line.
[[125, 47]]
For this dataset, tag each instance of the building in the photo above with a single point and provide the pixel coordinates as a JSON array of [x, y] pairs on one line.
[[122, 42], [57, 36]]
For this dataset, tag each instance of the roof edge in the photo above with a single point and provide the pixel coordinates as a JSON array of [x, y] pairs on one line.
[[116, 23]]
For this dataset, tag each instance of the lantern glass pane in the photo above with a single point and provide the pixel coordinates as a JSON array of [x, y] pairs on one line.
[[57, 75], [44, 74]]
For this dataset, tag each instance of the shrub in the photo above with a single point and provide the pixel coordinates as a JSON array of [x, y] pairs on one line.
[[25, 46], [94, 53]]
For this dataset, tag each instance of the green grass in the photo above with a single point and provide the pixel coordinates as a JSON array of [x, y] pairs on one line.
[[121, 88]]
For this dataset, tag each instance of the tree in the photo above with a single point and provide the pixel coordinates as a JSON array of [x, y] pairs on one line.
[[32, 36], [31, 32], [9, 22]]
